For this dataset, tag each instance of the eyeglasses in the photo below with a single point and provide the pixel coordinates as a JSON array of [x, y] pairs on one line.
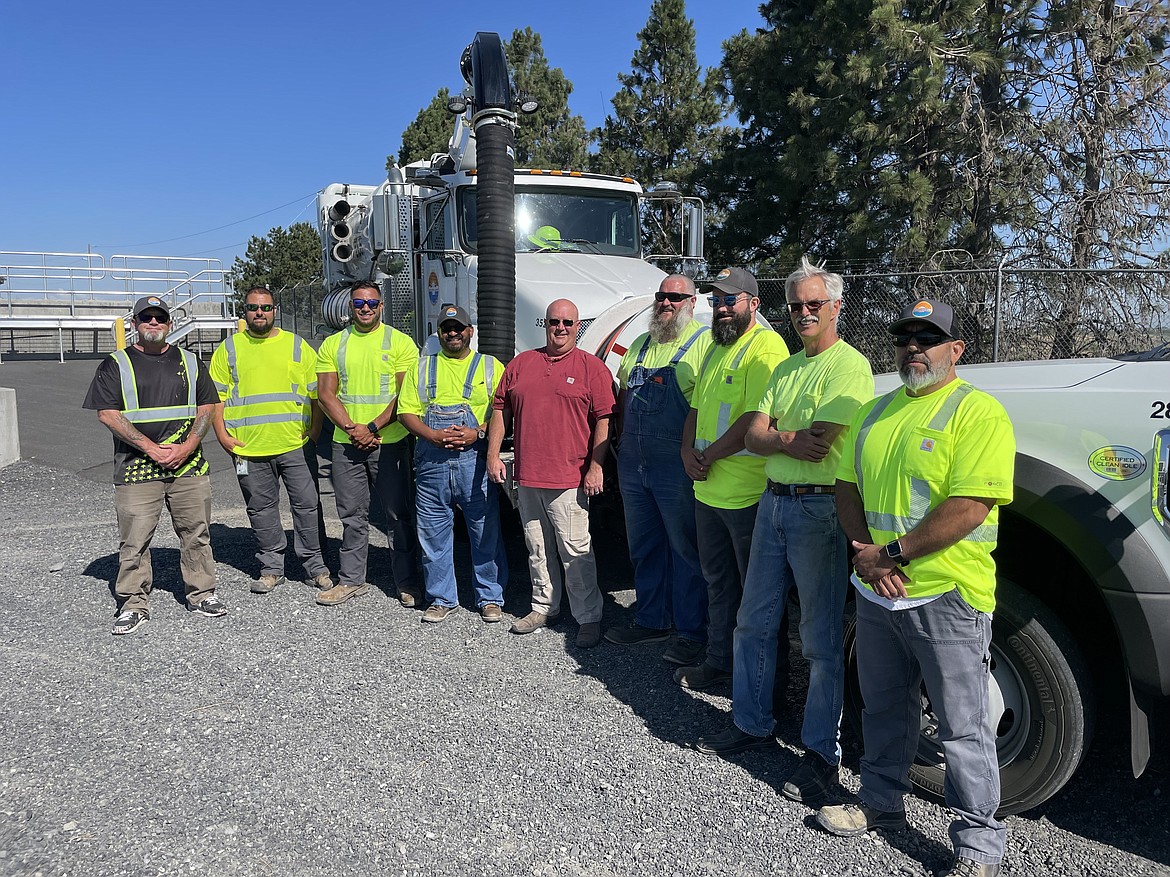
[[922, 339], [675, 297], [161, 319], [814, 307], [452, 329], [371, 303], [252, 307], [554, 322], [724, 301]]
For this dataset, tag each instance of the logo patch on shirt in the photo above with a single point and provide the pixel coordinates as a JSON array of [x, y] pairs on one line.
[[727, 380], [569, 380], [927, 445]]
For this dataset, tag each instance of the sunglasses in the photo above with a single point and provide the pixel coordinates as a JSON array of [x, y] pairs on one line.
[[251, 308], [814, 307], [675, 297], [724, 301], [452, 329], [371, 303], [162, 320], [554, 322], [922, 339]]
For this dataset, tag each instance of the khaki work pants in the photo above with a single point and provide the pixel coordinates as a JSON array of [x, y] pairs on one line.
[[560, 553]]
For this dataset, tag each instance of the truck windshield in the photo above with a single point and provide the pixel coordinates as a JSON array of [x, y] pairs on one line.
[[563, 220]]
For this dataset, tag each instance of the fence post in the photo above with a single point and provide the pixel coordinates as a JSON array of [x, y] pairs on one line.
[[995, 313]]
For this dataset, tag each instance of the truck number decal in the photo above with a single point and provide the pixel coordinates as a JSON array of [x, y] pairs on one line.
[[1161, 410]]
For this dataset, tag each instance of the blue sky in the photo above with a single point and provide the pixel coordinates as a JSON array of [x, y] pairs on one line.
[[136, 127]]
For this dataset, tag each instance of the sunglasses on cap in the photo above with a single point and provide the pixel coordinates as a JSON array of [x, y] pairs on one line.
[[922, 339], [675, 297], [724, 301], [252, 307], [155, 317], [371, 303]]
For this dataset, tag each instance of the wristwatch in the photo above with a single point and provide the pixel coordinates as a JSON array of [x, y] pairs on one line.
[[480, 434], [372, 427], [894, 550]]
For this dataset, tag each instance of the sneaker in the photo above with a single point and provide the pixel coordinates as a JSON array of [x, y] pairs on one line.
[[491, 612], [531, 622], [436, 613], [635, 634], [323, 581], [212, 607], [128, 622], [409, 597], [338, 594], [852, 820], [810, 782], [266, 583], [589, 634], [701, 677], [731, 741], [965, 867], [684, 652]]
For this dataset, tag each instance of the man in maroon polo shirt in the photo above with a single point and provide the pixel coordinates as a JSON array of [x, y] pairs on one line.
[[561, 401]]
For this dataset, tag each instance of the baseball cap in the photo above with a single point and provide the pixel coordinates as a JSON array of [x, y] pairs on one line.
[[151, 301], [928, 310], [453, 314], [732, 281]]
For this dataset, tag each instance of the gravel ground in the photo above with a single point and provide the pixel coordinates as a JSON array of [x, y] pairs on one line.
[[294, 739]]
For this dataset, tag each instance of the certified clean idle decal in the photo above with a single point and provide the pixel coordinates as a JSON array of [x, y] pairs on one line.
[[1117, 462]]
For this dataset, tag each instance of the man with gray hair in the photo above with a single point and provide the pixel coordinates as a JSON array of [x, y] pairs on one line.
[[656, 378], [801, 427]]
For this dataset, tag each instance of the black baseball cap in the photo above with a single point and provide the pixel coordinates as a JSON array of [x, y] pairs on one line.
[[733, 281], [151, 302], [450, 313], [928, 310]]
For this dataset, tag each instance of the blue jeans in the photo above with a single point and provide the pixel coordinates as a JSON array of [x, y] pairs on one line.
[[944, 643], [796, 543], [441, 486], [659, 502]]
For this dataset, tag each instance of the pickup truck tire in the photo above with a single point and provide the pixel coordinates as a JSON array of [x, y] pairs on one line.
[[1041, 691]]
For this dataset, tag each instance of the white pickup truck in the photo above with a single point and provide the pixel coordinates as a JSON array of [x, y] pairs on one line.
[[1084, 567]]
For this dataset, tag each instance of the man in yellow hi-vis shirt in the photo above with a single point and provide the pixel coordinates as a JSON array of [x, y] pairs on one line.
[[447, 406], [359, 372], [268, 420], [918, 494], [728, 478]]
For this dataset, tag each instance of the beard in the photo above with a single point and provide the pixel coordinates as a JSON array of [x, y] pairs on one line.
[[152, 334], [935, 373], [664, 330], [727, 332]]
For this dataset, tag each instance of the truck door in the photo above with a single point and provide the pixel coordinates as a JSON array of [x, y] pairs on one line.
[[438, 259]]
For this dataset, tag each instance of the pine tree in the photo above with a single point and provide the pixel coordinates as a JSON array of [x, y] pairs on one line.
[[552, 137], [429, 133]]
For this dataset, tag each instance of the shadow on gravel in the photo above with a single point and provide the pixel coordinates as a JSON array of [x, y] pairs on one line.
[[165, 573], [236, 547]]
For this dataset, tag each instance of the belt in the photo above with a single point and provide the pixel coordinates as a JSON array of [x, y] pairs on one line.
[[798, 489]]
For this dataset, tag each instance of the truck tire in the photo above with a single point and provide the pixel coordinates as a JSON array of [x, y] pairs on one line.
[[1040, 691]]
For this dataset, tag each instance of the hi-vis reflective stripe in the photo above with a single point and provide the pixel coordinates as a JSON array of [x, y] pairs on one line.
[[235, 400], [919, 488], [135, 414], [384, 397], [723, 423], [257, 419]]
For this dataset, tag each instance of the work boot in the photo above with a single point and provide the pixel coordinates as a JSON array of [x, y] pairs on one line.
[[589, 634], [811, 780], [409, 597], [322, 581], [436, 613], [684, 652], [635, 634], [852, 820], [491, 613], [266, 583], [701, 677], [531, 622], [338, 594], [965, 867], [731, 741]]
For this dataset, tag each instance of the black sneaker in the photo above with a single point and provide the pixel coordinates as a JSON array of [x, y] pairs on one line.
[[212, 607], [701, 677], [684, 652], [731, 741], [810, 782], [635, 634], [128, 622]]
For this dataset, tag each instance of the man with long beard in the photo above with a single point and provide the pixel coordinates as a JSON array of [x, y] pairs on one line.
[[728, 478], [918, 494], [656, 378]]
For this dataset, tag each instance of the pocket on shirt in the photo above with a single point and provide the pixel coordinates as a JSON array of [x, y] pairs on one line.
[[927, 454]]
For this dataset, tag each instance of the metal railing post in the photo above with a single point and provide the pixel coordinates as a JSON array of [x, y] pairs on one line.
[[995, 310]]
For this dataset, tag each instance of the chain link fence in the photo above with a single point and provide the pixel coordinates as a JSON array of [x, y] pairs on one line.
[[298, 309], [1008, 313]]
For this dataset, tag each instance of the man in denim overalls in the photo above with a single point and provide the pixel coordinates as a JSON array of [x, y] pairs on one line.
[[656, 377], [446, 406]]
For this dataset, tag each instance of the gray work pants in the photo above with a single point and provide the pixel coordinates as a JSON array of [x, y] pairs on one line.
[[384, 471], [261, 490], [725, 544], [944, 644]]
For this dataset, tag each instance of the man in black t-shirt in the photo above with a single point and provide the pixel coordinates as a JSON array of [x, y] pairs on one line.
[[158, 402]]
